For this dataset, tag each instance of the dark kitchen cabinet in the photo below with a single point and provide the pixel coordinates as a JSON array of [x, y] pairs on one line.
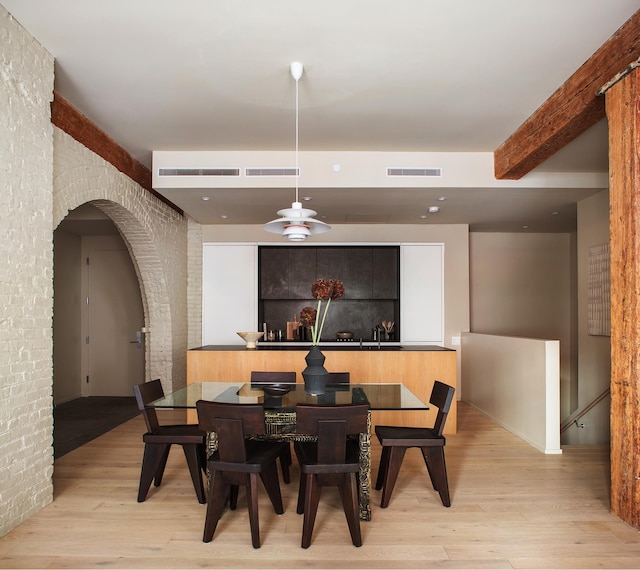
[[384, 269], [274, 273], [370, 275], [302, 271]]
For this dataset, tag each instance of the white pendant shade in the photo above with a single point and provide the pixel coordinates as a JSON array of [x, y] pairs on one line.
[[297, 223]]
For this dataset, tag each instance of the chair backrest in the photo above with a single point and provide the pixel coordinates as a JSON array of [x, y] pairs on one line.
[[332, 425], [337, 378], [441, 397], [259, 377], [146, 393], [231, 423]]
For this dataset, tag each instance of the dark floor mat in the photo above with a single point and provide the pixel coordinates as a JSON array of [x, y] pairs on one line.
[[79, 421]]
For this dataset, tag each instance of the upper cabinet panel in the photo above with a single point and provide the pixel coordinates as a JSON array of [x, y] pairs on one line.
[[274, 273], [385, 269], [302, 272], [357, 274]]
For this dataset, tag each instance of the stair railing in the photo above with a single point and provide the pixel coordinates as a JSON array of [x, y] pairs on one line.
[[573, 418]]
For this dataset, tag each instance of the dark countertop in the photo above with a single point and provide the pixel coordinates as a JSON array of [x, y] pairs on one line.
[[344, 346]]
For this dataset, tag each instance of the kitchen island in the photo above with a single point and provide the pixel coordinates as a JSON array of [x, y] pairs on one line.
[[417, 367]]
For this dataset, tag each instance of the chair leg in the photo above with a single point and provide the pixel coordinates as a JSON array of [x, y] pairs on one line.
[[396, 455], [349, 495], [233, 497], [151, 461], [271, 483], [311, 500], [161, 465], [437, 468], [252, 503], [193, 455], [382, 468], [285, 464], [301, 493], [218, 492]]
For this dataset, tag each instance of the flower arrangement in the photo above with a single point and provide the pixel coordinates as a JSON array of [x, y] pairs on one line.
[[323, 290]]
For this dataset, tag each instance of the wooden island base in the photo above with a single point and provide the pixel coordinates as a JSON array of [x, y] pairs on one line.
[[416, 367]]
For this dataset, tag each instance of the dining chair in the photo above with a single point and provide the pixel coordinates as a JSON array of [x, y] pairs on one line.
[[396, 440], [277, 378], [159, 439], [238, 461], [332, 460], [339, 378]]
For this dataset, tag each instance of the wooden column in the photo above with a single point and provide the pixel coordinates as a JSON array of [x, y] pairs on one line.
[[623, 113]]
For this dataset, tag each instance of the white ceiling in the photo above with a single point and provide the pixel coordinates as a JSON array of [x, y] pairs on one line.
[[409, 75]]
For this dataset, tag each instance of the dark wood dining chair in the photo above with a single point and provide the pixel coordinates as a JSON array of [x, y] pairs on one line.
[[332, 460], [238, 461], [396, 440], [277, 378], [159, 439], [339, 378]]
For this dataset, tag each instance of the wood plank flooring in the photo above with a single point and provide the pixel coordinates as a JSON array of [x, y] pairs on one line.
[[512, 507]]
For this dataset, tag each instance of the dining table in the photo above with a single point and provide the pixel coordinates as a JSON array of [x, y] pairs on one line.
[[280, 401]]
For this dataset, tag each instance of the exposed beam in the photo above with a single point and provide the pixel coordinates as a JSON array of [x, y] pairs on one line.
[[75, 124], [571, 110], [623, 114]]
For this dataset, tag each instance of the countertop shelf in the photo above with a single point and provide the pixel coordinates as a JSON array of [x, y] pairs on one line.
[[330, 346]]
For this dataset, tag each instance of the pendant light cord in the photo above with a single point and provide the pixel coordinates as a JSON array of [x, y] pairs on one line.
[[297, 130]]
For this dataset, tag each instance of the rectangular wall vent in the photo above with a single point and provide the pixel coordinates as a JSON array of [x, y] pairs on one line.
[[432, 172], [199, 172], [292, 171]]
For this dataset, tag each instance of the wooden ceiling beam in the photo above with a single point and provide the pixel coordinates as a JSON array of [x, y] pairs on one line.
[[571, 110], [67, 118]]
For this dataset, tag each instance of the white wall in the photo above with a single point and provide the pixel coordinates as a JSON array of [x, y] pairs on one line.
[[67, 370], [30, 209], [26, 276], [594, 361], [515, 381], [521, 285]]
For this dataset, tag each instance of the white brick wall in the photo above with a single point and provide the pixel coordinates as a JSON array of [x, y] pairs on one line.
[[26, 275], [157, 239], [44, 174]]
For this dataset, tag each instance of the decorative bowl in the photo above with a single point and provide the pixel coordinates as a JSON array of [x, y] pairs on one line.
[[275, 389], [250, 337]]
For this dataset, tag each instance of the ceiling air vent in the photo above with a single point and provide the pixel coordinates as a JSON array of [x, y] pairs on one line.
[[272, 171], [429, 172], [199, 172]]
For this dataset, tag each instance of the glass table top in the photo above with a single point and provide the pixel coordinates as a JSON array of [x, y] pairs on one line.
[[286, 396]]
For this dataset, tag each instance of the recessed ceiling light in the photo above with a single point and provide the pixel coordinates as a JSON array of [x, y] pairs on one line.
[[555, 213], [205, 198], [442, 198], [424, 216], [434, 209], [307, 198], [224, 216], [525, 227]]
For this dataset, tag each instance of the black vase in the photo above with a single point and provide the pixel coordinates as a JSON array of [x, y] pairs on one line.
[[315, 375]]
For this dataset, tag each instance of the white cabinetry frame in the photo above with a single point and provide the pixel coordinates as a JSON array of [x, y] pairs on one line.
[[230, 292], [422, 293]]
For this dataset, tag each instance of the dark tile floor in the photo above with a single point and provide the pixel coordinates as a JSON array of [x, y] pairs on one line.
[[79, 421]]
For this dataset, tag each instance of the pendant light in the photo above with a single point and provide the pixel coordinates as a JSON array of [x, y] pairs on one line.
[[297, 223]]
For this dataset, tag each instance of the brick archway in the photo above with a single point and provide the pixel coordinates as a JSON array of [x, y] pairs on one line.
[[156, 237]]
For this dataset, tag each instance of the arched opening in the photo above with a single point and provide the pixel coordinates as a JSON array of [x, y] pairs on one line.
[[98, 329]]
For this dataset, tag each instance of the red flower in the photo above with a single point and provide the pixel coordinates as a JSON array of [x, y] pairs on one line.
[[323, 290], [327, 289], [308, 316]]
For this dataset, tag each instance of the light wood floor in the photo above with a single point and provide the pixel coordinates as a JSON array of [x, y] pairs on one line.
[[512, 507]]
